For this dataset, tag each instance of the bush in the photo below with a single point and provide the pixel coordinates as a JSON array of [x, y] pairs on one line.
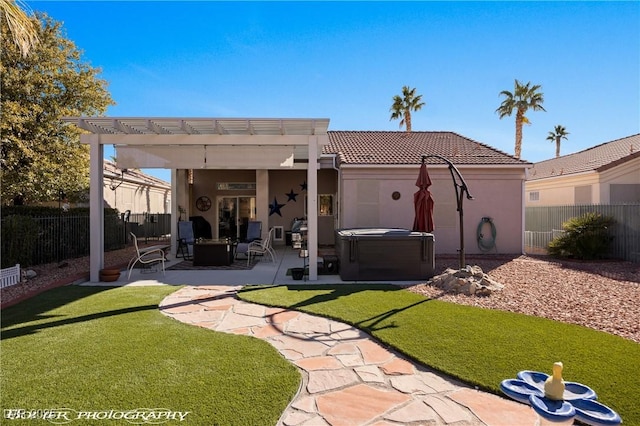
[[585, 237]]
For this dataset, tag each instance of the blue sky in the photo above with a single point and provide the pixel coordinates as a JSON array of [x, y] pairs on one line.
[[346, 60]]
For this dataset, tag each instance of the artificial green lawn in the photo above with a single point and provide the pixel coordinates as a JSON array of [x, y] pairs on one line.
[[479, 346], [91, 348]]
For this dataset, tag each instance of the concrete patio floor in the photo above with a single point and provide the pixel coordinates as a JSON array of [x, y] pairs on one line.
[[348, 377], [264, 272]]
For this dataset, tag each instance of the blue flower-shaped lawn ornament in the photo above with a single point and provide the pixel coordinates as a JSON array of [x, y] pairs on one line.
[[577, 400]]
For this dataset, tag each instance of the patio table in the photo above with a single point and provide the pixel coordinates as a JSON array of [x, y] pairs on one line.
[[213, 252]]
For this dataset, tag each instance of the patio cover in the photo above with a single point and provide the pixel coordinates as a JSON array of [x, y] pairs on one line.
[[211, 143]]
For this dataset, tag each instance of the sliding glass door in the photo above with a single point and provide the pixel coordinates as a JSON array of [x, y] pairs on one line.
[[234, 214]]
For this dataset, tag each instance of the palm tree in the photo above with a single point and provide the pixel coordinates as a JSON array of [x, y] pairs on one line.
[[402, 107], [22, 28], [559, 132], [523, 98]]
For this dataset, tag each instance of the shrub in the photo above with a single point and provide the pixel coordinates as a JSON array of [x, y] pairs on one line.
[[585, 237]]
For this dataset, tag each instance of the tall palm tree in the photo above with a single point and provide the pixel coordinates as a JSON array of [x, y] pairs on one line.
[[22, 28], [402, 106], [523, 98], [559, 132]]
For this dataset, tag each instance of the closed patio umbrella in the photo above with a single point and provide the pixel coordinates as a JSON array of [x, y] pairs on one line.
[[423, 202]]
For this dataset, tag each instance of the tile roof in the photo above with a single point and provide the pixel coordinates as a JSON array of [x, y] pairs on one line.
[[597, 158], [391, 148]]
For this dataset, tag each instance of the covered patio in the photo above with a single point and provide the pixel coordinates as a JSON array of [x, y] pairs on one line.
[[183, 144]]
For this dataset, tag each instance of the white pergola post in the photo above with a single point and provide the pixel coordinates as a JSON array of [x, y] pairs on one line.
[[174, 211], [312, 207], [262, 199], [96, 205]]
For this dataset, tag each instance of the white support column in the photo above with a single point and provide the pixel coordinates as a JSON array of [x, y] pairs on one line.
[[312, 207], [262, 200], [175, 213], [96, 205]]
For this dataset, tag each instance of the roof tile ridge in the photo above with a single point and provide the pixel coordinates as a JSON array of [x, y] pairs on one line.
[[490, 148]]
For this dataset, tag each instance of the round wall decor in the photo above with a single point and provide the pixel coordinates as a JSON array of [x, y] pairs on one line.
[[203, 203]]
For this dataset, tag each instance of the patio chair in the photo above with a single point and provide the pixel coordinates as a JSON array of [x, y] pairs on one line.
[[147, 257], [186, 239], [262, 247], [254, 233]]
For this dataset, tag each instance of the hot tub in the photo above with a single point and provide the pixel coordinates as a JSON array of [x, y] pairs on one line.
[[389, 254]]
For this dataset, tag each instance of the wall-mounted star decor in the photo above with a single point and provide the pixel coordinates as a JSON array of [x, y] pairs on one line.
[[291, 196], [275, 207], [303, 185]]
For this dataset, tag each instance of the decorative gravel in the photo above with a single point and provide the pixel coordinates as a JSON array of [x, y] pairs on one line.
[[601, 295]]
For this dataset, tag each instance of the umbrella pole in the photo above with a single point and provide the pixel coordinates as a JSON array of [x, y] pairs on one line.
[[463, 262], [460, 189]]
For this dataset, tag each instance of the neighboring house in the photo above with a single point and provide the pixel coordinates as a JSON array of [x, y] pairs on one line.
[[135, 191], [604, 174], [231, 171]]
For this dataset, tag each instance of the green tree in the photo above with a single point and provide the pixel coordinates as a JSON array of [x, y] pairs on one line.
[[402, 106], [523, 98], [23, 31], [40, 155], [559, 132]]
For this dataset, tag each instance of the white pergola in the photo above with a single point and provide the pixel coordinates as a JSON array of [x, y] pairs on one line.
[[207, 143]]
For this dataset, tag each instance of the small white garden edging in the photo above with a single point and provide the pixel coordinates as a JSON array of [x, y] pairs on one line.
[[10, 276]]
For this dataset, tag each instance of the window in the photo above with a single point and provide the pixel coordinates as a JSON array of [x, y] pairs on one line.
[[325, 205], [582, 194], [534, 196]]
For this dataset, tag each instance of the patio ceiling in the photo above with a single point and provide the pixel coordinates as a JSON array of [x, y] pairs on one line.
[[201, 126]]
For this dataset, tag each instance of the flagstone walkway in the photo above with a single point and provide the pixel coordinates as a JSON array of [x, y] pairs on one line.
[[348, 377]]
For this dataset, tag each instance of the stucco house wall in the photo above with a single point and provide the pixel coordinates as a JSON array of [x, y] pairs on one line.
[[368, 202], [205, 184], [135, 191]]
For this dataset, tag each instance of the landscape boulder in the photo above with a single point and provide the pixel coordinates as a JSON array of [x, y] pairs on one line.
[[470, 281]]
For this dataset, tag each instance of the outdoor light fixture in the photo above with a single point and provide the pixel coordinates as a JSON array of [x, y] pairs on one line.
[[460, 187], [113, 186]]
